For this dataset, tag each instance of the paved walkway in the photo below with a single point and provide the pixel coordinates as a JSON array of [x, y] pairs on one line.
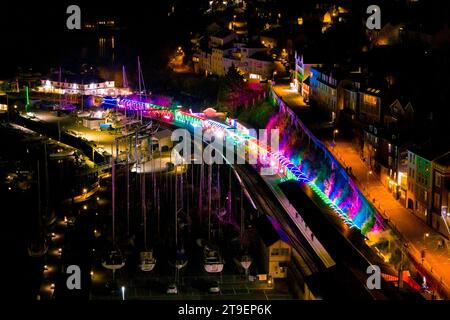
[[290, 96], [414, 230]]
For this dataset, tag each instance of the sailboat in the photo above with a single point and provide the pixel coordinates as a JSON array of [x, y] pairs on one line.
[[61, 154], [39, 246], [181, 259], [114, 260], [147, 260], [245, 260], [212, 260]]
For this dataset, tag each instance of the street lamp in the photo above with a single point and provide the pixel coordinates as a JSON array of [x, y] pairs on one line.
[[425, 236], [368, 174], [335, 132], [123, 293]]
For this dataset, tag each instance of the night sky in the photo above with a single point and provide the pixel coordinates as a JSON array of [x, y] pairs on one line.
[[35, 34]]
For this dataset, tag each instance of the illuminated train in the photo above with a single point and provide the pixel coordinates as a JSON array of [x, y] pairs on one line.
[[238, 134]]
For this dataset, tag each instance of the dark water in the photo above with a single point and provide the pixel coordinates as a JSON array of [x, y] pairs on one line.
[[20, 209], [35, 35]]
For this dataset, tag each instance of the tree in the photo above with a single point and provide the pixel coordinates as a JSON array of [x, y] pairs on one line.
[[233, 89]]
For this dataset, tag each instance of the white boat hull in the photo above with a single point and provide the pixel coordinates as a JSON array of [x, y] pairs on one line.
[[113, 266], [147, 267], [148, 262], [214, 267]]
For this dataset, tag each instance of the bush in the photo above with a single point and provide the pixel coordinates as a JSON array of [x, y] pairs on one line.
[[257, 115]]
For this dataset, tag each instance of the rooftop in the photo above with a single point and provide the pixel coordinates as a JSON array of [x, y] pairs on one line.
[[262, 56], [432, 150], [270, 230], [222, 33], [444, 160], [75, 78]]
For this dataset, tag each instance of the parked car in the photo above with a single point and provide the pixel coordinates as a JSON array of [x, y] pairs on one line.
[[214, 287], [172, 289]]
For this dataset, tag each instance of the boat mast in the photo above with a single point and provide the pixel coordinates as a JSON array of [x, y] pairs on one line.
[[81, 95], [176, 210], [124, 77], [200, 193], [113, 169], [144, 207], [39, 198], [47, 184], [128, 190], [218, 195], [209, 200], [242, 217], [60, 83], [139, 77], [141, 86], [113, 173]]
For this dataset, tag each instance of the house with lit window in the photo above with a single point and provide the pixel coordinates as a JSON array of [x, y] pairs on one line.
[[301, 73], [86, 85], [398, 118], [370, 105], [370, 115], [385, 146], [223, 51], [276, 248], [238, 25], [323, 85], [441, 194], [93, 87], [348, 95], [420, 182], [3, 105], [103, 88]]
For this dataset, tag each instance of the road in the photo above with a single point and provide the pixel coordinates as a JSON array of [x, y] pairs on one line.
[[414, 230]]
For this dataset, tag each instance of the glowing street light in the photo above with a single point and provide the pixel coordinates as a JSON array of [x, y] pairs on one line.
[[274, 74], [369, 173], [123, 293], [335, 132]]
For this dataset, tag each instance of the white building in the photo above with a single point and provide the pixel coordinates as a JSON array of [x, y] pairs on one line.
[[104, 88], [223, 51]]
